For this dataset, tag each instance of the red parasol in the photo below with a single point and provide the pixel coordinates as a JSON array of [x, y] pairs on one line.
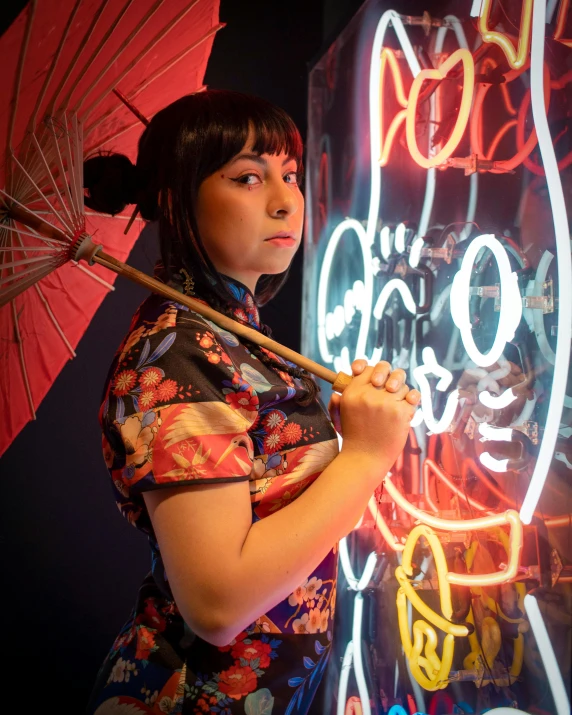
[[61, 60], [77, 68]]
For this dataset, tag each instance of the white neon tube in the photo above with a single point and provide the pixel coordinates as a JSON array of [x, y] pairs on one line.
[[385, 243], [549, 661], [494, 434], [510, 301], [344, 678], [399, 241], [358, 662], [395, 284], [562, 353], [496, 465], [497, 402], [430, 366]]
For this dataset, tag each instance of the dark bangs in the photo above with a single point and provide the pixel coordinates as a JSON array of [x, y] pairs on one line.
[[184, 144]]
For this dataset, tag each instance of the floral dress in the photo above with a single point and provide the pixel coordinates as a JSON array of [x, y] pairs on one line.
[[187, 403]]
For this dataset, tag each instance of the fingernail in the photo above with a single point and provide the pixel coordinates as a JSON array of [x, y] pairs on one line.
[[392, 384]]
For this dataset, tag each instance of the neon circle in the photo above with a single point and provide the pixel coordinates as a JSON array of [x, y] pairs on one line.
[[510, 301]]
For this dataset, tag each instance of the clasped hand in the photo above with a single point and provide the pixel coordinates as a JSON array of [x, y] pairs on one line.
[[382, 378]]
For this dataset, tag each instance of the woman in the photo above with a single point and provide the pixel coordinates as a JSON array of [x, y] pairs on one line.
[[219, 451]]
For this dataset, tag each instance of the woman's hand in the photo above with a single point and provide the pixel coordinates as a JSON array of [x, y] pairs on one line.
[[375, 410]]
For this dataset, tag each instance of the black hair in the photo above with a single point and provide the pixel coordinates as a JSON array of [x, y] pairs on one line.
[[184, 143]]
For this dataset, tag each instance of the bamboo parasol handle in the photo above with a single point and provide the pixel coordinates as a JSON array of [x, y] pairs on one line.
[[339, 381], [92, 253]]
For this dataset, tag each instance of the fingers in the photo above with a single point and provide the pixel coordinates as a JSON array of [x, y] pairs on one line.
[[413, 397], [358, 366], [334, 409], [396, 380]]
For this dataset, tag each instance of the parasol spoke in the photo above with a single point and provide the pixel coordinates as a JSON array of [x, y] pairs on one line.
[[45, 303], [54, 320], [158, 37], [155, 75], [80, 163], [73, 62], [49, 241], [77, 140], [127, 128], [71, 173], [53, 66], [60, 164], [10, 292], [25, 262], [23, 367], [73, 220], [17, 83], [93, 275], [113, 218], [93, 57], [152, 10], [55, 211], [40, 221], [26, 248]]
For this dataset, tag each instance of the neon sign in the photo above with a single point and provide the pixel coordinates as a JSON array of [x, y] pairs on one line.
[[501, 303]]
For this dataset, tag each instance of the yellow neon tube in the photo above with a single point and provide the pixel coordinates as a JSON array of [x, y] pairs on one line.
[[516, 56], [465, 57], [386, 142], [509, 517]]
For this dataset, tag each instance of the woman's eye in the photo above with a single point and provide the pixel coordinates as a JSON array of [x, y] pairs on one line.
[[248, 179], [293, 176]]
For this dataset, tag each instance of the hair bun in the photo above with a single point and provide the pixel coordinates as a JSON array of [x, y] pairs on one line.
[[111, 181]]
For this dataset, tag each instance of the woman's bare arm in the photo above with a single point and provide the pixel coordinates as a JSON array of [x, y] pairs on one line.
[[225, 571]]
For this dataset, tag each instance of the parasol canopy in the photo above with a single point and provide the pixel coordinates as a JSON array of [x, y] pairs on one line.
[[62, 61]]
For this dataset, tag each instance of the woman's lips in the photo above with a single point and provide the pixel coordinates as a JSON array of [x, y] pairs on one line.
[[285, 242]]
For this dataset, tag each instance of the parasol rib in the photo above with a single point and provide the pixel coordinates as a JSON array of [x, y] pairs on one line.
[[27, 248], [78, 148], [53, 66], [33, 220], [124, 130], [55, 322], [22, 360], [72, 220], [50, 242], [55, 211], [45, 303], [80, 49], [155, 75], [72, 169], [173, 23], [25, 262], [35, 273], [17, 84], [95, 277], [60, 164], [152, 10]]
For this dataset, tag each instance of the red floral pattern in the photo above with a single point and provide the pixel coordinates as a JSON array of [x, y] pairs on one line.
[[185, 404]]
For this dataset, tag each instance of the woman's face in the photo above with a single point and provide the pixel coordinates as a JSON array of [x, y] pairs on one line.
[[243, 206]]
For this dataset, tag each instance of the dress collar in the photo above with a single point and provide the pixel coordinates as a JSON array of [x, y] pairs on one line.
[[246, 312]]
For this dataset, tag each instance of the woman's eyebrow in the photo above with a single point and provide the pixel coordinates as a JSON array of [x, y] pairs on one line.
[[257, 158]]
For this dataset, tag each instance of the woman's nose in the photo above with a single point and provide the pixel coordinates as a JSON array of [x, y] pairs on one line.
[[283, 201]]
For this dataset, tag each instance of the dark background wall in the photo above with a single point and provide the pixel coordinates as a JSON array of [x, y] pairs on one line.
[[71, 565]]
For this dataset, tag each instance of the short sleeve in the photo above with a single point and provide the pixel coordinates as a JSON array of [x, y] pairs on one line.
[[177, 412]]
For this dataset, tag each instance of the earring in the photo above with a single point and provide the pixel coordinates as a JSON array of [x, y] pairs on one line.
[[189, 283]]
